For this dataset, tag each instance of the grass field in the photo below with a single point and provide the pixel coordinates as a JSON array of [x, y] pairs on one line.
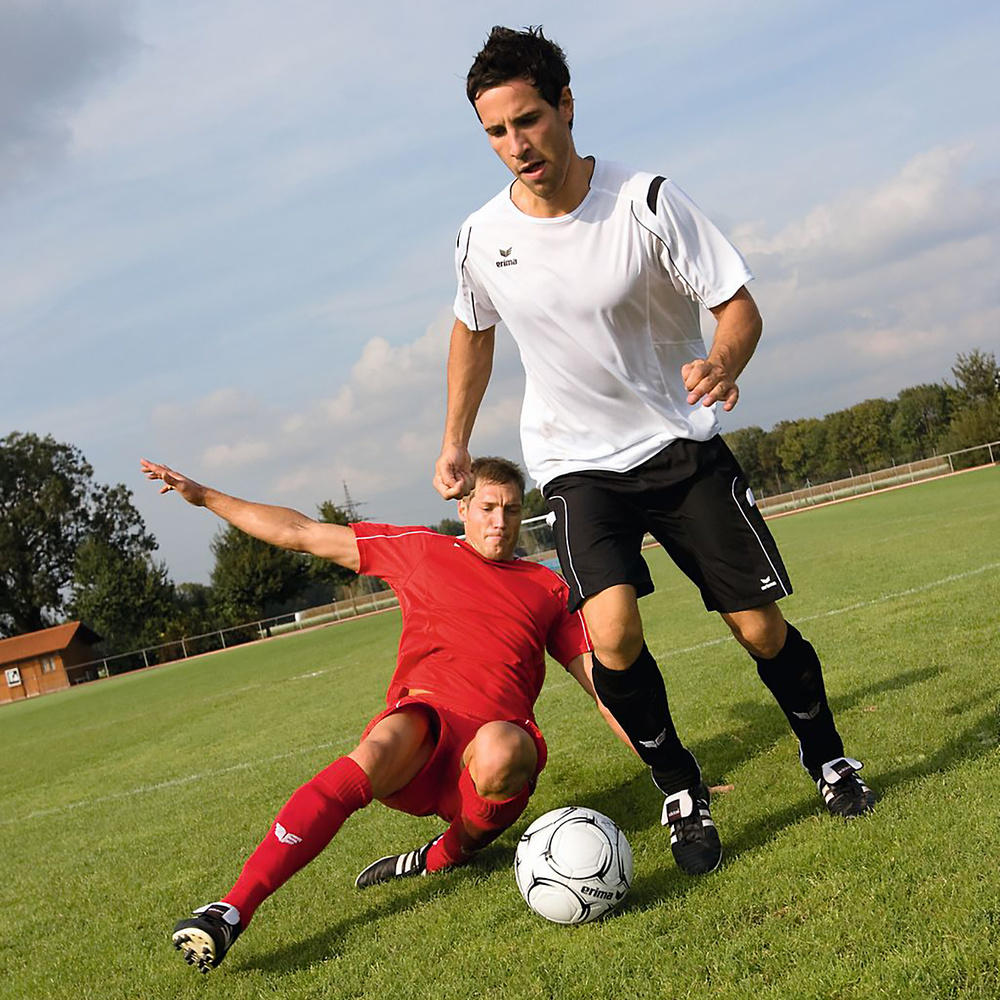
[[127, 802]]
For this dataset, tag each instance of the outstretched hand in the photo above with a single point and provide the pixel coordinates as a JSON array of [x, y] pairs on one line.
[[708, 382], [191, 491], [453, 477]]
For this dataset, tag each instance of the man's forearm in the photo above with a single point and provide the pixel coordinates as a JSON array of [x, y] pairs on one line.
[[280, 526], [736, 335], [470, 364]]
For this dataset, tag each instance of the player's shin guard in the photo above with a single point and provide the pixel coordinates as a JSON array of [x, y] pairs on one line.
[[306, 823], [637, 698], [795, 678], [479, 823]]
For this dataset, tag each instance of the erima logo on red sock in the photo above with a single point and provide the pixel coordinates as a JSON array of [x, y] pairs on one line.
[[284, 836]]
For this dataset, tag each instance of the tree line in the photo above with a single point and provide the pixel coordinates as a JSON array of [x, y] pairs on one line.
[[922, 421], [70, 546]]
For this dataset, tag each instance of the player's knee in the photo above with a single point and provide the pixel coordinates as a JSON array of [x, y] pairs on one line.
[[617, 641], [615, 626], [503, 760], [762, 635]]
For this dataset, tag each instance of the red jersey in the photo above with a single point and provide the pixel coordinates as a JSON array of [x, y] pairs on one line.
[[475, 630]]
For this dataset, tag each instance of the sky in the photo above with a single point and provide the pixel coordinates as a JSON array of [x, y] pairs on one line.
[[227, 226]]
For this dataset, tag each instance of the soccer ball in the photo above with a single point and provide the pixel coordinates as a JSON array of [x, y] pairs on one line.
[[573, 865]]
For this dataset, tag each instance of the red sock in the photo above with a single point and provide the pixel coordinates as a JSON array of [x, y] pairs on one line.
[[306, 823], [479, 822]]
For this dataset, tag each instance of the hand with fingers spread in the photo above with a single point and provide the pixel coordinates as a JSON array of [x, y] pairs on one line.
[[708, 382], [191, 491]]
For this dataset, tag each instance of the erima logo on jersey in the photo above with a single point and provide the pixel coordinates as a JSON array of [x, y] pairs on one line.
[[506, 260], [284, 836]]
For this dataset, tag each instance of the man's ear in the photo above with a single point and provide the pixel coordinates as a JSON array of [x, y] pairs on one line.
[[566, 105]]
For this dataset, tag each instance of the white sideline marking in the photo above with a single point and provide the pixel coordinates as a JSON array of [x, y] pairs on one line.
[[174, 782], [944, 581], [249, 765], [954, 578]]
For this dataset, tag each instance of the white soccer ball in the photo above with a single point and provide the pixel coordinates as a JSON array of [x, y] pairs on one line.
[[573, 865]]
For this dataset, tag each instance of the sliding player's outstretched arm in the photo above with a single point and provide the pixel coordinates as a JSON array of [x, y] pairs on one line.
[[280, 526]]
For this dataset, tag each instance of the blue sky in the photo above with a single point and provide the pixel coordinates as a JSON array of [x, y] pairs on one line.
[[226, 227]]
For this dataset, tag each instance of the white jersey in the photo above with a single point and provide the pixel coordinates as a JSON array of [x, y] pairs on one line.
[[604, 306]]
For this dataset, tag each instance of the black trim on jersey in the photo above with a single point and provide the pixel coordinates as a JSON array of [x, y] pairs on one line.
[[653, 192], [656, 236], [472, 297]]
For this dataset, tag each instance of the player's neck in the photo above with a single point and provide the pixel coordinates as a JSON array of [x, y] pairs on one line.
[[567, 199]]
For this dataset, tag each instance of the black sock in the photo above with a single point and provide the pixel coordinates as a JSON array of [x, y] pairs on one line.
[[637, 699], [795, 678]]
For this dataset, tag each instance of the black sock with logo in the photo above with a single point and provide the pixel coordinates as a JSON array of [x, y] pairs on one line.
[[795, 678], [637, 698]]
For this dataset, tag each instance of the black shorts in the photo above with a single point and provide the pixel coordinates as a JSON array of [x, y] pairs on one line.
[[693, 498]]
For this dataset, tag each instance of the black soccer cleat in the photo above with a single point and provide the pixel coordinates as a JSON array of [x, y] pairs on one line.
[[694, 840], [206, 936], [844, 793], [396, 866]]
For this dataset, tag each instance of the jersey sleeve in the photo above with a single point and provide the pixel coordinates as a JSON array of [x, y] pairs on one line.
[[389, 551], [472, 301], [701, 262], [568, 636]]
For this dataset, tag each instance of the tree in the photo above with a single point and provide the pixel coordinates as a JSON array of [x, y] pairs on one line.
[[449, 526], [49, 507], [331, 574], [921, 417], [803, 446], [977, 378], [125, 596], [117, 587], [251, 578], [746, 444], [534, 504]]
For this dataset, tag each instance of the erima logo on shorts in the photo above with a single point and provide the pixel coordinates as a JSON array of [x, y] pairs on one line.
[[766, 583], [751, 499], [506, 259]]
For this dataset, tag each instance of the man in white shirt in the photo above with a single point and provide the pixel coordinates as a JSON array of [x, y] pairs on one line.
[[599, 272]]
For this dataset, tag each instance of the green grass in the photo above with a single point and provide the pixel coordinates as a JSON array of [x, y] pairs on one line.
[[127, 802]]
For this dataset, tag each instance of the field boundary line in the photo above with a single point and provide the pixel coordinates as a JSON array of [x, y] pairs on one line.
[[874, 493], [909, 592]]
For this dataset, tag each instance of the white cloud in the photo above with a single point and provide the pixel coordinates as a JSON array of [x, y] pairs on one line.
[[872, 292]]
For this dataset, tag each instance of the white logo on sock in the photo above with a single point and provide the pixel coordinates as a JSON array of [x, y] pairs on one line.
[[284, 836], [655, 743]]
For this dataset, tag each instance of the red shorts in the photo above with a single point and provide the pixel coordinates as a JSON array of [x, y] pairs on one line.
[[435, 788]]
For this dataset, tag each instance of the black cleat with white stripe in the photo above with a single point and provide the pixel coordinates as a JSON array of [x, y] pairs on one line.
[[844, 793], [205, 937], [396, 866], [694, 840]]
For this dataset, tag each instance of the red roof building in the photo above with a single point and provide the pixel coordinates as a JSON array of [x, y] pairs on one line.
[[41, 662]]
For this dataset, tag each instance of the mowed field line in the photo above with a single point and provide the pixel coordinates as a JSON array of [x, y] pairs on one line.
[[343, 742]]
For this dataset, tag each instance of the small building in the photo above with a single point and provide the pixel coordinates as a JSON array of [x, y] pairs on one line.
[[46, 661]]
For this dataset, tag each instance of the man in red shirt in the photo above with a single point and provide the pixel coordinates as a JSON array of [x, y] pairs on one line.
[[458, 738]]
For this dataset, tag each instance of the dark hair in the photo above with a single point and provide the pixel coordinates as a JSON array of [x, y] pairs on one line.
[[501, 471], [519, 55]]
